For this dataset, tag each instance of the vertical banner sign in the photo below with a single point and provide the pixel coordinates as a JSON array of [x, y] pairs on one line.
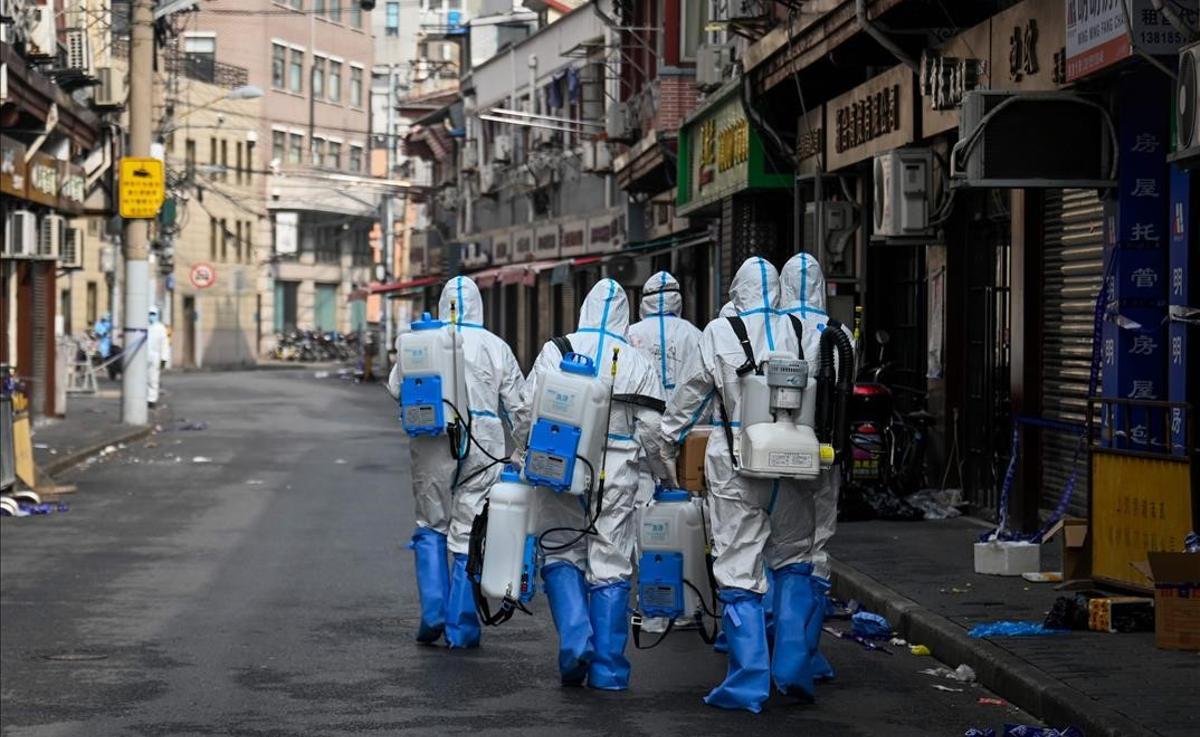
[[1134, 342], [1183, 329]]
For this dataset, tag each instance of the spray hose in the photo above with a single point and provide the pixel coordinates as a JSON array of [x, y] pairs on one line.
[[834, 387]]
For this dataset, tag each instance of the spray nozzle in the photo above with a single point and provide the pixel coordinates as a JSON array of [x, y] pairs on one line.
[[616, 353]]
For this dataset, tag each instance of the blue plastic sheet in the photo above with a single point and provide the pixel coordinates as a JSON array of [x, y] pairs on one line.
[[1011, 628], [870, 626]]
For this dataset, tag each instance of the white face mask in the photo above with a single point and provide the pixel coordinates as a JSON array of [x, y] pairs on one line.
[[153, 317]]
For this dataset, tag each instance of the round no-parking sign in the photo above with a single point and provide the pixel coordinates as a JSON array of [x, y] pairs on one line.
[[203, 275]]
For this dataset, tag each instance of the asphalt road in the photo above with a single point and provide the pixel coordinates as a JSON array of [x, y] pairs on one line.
[[267, 592]]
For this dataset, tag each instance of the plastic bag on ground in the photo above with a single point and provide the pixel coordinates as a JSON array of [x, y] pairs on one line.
[[1010, 628], [870, 626]]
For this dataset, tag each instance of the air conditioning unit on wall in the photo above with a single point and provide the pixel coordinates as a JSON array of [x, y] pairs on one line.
[[595, 157], [71, 255], [629, 271], [903, 185], [502, 149], [1033, 139], [20, 234], [711, 64], [1187, 107], [79, 52], [622, 122], [111, 90], [42, 42], [50, 236]]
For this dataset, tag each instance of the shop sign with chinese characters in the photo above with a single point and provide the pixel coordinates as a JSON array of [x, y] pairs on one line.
[[874, 117], [1097, 36], [720, 154]]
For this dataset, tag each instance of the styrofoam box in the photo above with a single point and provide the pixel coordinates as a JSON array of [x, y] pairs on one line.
[[1007, 558]]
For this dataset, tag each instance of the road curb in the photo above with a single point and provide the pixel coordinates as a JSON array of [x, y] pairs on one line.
[[1014, 679], [69, 461]]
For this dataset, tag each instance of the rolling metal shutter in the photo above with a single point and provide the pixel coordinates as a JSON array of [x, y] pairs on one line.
[[1073, 269]]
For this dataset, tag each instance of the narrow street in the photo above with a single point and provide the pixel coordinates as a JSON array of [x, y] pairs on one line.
[[267, 592]]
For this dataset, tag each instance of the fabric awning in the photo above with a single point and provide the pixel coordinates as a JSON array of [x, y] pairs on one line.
[[401, 286], [486, 278]]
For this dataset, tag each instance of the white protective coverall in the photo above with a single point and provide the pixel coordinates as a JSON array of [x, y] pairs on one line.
[[803, 295], [445, 513], [587, 584], [158, 351], [671, 342]]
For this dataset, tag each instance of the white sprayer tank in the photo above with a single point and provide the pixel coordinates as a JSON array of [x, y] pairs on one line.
[[429, 355], [509, 557], [673, 523], [570, 413]]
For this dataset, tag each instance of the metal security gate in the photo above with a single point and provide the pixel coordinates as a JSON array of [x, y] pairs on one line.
[[1073, 269]]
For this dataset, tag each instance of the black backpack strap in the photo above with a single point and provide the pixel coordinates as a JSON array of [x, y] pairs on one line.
[[641, 400], [798, 326], [739, 329], [563, 344], [726, 423]]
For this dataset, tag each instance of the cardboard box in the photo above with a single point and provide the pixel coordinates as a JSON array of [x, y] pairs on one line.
[[1007, 558], [1072, 539], [1120, 614], [689, 466], [1176, 579]]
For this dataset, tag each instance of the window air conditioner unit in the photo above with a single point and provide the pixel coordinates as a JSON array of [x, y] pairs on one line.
[[502, 149], [903, 185], [630, 272], [42, 42], [20, 240], [621, 123], [711, 64], [79, 53], [596, 157], [111, 90], [71, 255], [1187, 108], [50, 236], [474, 256], [1034, 140], [470, 155]]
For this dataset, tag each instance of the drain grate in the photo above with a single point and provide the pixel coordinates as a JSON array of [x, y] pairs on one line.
[[73, 657]]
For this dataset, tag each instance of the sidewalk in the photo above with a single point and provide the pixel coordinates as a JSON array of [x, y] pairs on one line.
[[1107, 684], [92, 422]]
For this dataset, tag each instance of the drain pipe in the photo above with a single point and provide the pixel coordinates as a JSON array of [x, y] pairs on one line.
[[860, 13]]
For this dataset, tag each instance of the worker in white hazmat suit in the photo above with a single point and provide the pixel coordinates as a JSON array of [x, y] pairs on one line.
[[449, 493], [670, 342], [158, 352], [747, 539], [587, 583], [802, 295]]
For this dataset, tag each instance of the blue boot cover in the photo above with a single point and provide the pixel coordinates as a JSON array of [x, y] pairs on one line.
[[791, 662], [721, 643], [462, 623], [433, 582], [609, 608], [567, 593], [822, 670], [747, 683]]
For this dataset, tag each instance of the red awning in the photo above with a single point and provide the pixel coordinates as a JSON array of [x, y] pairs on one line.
[[486, 278], [358, 295], [400, 286]]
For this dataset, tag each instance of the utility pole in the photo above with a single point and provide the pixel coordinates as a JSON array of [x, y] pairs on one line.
[[137, 232], [388, 228]]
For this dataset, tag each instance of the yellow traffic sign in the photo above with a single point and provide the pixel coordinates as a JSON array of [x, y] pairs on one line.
[[142, 189]]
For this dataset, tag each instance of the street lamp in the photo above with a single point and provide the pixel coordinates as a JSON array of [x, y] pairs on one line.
[[242, 92]]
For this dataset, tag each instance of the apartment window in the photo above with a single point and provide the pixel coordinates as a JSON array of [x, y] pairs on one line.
[[249, 236], [278, 65], [241, 163], [318, 7], [335, 81], [213, 157], [237, 244], [316, 151], [335, 10], [694, 18], [249, 162], [356, 158], [296, 71], [333, 155], [200, 57], [297, 4], [295, 148], [212, 239], [224, 241], [278, 144], [318, 77], [355, 14], [224, 159], [189, 157], [91, 303], [392, 19], [356, 86]]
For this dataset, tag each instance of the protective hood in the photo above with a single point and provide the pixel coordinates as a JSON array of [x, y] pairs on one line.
[[661, 296], [803, 285], [755, 287], [468, 304], [605, 309], [727, 310]]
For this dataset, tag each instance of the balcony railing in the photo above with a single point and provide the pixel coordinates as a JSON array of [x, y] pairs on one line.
[[204, 68]]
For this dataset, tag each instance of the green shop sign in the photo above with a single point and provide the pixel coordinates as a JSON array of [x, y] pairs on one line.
[[721, 154]]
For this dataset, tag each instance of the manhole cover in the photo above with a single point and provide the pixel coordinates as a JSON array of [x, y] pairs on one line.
[[74, 657]]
